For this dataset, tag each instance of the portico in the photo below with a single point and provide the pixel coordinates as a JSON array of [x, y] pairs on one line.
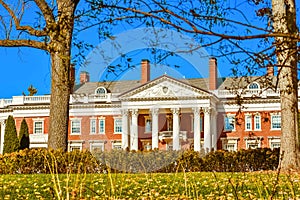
[[180, 115]]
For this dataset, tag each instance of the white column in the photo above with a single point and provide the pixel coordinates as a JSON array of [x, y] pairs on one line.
[[176, 128], [207, 133], [134, 130], [214, 129], [2, 124], [154, 112], [197, 133], [125, 129]]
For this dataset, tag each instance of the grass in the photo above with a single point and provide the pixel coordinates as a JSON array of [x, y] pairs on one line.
[[202, 185]]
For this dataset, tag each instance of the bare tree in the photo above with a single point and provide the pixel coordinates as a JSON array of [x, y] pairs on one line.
[[253, 34], [52, 33]]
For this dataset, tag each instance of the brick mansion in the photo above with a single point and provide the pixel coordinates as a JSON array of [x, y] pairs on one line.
[[164, 113]]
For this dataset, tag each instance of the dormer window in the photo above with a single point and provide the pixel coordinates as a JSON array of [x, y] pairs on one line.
[[100, 91], [253, 86]]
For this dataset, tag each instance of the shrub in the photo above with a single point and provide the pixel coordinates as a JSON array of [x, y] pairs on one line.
[[30, 161], [24, 135], [11, 141]]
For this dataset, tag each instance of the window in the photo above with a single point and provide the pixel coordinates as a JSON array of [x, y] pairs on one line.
[[253, 142], [96, 146], [201, 123], [93, 126], [275, 122], [252, 146], [169, 122], [148, 124], [170, 146], [118, 125], [275, 145], [257, 122], [102, 126], [147, 146], [248, 122], [230, 147], [117, 145], [38, 127], [230, 144], [254, 86], [100, 91], [75, 146], [229, 123], [274, 142], [75, 126]]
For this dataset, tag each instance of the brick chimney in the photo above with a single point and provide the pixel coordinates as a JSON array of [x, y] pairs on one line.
[[213, 74], [84, 77], [145, 67], [270, 71]]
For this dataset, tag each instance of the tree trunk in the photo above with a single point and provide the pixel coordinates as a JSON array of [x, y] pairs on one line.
[[60, 48], [59, 106], [284, 16]]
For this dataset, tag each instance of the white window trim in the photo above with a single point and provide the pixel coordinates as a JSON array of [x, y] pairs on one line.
[[95, 120], [104, 121], [117, 144], [274, 139], [253, 140], [75, 119], [38, 120], [226, 141], [257, 115], [248, 116], [234, 123], [115, 118], [254, 88], [104, 89], [75, 144], [271, 116], [96, 144]]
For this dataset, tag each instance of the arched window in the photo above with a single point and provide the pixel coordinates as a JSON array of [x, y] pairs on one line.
[[100, 91], [254, 86]]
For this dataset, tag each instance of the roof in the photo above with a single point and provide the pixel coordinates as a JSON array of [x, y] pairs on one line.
[[225, 83]]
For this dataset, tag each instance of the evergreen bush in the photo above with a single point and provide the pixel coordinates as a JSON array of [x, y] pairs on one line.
[[24, 135], [11, 141]]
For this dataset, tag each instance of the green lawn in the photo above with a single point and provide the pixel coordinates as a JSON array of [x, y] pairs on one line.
[[204, 185]]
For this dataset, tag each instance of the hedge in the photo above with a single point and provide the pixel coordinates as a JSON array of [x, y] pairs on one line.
[[30, 161]]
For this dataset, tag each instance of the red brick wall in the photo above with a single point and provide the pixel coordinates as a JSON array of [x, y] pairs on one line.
[[110, 137], [29, 121], [85, 135], [242, 133]]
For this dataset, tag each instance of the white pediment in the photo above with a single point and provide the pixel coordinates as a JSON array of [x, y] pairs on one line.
[[166, 87]]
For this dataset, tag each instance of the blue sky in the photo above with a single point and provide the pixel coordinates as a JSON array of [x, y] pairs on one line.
[[22, 67]]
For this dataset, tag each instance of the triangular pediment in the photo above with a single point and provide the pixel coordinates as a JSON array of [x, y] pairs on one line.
[[166, 88]]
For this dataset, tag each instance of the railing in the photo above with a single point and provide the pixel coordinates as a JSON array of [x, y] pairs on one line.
[[247, 93], [45, 99], [37, 99], [163, 135], [82, 98]]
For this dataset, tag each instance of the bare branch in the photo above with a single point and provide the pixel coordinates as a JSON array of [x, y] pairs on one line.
[[24, 43], [46, 10], [195, 30], [19, 27]]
